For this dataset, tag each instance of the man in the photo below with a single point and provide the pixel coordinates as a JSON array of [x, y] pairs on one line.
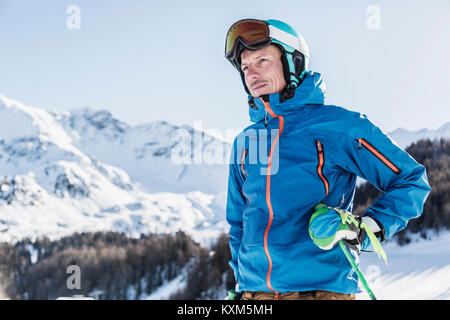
[[287, 211]]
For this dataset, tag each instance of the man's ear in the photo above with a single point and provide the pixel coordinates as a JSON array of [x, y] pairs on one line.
[[299, 62]]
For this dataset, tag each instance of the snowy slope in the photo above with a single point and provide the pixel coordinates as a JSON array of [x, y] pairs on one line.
[[50, 186], [419, 270]]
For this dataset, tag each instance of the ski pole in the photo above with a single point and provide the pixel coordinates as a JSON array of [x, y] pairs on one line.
[[358, 272]]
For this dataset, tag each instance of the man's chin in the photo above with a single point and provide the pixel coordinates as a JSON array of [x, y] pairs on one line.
[[259, 93]]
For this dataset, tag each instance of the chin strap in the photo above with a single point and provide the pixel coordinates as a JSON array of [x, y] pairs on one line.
[[287, 93]]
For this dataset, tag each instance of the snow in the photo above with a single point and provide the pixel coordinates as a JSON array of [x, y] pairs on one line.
[[417, 271], [33, 253], [110, 208], [167, 288], [170, 287], [145, 151]]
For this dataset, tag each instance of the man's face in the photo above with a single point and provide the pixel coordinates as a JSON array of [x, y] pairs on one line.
[[263, 70]]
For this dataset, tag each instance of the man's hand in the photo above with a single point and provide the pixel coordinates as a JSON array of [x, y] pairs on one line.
[[328, 226]]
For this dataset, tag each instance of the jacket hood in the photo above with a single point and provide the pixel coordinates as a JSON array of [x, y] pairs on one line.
[[311, 91]]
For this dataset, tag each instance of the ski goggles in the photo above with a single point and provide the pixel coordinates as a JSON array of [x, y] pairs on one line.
[[254, 34], [250, 33]]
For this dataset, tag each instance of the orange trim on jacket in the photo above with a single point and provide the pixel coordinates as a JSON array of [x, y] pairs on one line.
[[269, 203], [379, 155], [244, 154], [320, 155]]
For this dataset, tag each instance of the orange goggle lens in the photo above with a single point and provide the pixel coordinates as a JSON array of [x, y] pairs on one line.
[[250, 31]]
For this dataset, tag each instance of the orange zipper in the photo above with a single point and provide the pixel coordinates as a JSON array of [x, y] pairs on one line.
[[269, 203], [244, 154], [320, 155], [379, 155]]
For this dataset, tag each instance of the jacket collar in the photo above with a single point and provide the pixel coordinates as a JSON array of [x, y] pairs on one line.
[[311, 91]]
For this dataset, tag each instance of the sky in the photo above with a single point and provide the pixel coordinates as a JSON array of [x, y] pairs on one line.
[[164, 60]]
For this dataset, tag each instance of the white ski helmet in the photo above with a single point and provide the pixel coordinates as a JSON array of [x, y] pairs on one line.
[[253, 34]]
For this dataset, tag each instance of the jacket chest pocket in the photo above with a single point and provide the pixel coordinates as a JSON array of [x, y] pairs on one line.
[[244, 166], [320, 165], [363, 143], [249, 163]]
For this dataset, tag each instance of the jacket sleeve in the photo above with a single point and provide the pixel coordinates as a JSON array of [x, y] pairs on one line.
[[236, 202], [365, 150]]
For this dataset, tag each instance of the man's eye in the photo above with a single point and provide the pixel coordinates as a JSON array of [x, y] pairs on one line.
[[244, 68]]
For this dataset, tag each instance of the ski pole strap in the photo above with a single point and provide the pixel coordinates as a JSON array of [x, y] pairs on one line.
[[347, 217], [374, 241]]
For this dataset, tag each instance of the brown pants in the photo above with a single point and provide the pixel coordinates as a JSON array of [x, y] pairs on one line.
[[294, 295]]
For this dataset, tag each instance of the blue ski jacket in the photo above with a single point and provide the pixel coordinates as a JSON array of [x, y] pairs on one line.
[[298, 153]]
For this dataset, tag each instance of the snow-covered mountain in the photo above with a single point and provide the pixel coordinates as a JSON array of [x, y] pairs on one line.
[[84, 170], [65, 172], [405, 137], [144, 151]]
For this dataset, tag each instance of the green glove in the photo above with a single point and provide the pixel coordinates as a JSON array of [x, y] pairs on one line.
[[328, 226], [232, 295]]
